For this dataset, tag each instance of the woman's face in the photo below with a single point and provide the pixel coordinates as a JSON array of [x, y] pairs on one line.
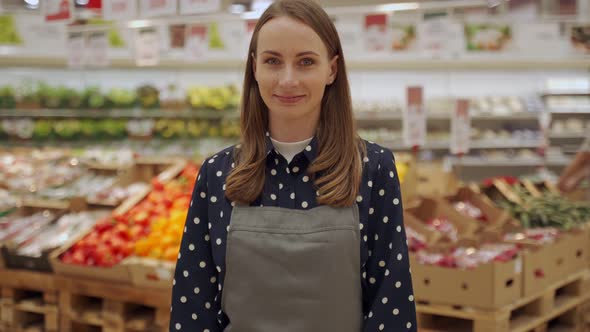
[[292, 68]]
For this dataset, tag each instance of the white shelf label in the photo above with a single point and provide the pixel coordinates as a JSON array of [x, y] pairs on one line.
[[75, 49], [97, 49], [152, 8], [197, 42], [57, 10], [199, 6], [461, 128], [414, 125], [119, 9], [147, 47]]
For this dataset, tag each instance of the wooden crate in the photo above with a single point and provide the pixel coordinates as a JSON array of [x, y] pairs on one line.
[[98, 306], [560, 306], [29, 301]]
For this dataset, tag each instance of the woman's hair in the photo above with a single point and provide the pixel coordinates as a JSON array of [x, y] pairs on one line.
[[338, 164]]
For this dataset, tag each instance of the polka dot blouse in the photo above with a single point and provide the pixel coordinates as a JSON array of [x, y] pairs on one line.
[[387, 296]]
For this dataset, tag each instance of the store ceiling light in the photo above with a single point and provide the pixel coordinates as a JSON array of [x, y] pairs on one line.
[[32, 3], [82, 2], [394, 7]]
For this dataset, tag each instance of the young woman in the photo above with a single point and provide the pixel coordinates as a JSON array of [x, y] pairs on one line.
[[299, 228]]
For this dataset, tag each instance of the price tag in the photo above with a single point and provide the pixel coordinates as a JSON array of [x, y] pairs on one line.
[[151, 8], [376, 33], [199, 6], [97, 49], [460, 128], [147, 47], [75, 49], [58, 10], [197, 43], [414, 125], [119, 9]]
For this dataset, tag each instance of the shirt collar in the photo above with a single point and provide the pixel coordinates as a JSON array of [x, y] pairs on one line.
[[310, 150]]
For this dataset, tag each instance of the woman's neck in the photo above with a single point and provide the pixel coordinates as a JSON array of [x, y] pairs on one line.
[[292, 130]]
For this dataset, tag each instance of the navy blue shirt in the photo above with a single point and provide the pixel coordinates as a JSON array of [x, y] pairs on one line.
[[387, 295]]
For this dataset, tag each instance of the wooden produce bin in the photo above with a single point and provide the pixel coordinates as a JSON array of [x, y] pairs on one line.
[[9, 254], [106, 306], [151, 273]]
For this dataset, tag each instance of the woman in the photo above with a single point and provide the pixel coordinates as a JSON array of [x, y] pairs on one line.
[[299, 228]]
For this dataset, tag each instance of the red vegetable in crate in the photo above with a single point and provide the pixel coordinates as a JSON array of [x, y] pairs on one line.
[[416, 241], [443, 225], [470, 210]]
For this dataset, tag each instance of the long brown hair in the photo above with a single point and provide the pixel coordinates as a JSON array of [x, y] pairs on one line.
[[340, 148]]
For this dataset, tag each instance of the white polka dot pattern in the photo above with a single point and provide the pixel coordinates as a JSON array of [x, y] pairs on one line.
[[197, 285]]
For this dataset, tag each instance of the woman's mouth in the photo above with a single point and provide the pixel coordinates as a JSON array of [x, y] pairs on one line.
[[289, 99]]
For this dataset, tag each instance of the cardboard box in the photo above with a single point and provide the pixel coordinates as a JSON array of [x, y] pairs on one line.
[[497, 218], [428, 208], [490, 286], [432, 237], [151, 273], [434, 180]]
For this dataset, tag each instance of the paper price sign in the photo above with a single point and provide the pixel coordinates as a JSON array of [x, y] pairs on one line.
[[197, 43], [58, 10], [75, 49], [461, 128], [147, 47], [199, 6], [414, 125], [151, 8], [97, 49], [119, 9]]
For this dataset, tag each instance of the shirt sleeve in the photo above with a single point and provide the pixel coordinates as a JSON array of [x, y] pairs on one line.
[[195, 283], [389, 294]]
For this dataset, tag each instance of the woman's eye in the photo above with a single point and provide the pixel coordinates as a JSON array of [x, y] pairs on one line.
[[307, 62], [272, 61]]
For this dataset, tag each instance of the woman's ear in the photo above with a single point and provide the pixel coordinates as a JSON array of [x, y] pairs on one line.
[[333, 69]]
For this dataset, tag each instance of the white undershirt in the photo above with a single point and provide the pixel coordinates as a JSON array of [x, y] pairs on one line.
[[289, 150]]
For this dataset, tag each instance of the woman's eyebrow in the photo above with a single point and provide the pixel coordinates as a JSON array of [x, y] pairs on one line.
[[275, 53]]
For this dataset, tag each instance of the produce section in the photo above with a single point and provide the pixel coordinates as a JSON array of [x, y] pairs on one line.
[[99, 153]]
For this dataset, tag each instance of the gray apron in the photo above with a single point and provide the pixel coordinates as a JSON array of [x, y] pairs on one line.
[[293, 270]]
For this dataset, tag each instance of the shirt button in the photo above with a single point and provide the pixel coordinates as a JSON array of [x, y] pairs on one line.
[[295, 169]]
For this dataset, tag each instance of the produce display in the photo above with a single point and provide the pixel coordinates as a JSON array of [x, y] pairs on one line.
[[416, 241], [18, 229], [25, 174], [469, 258], [470, 210], [444, 226], [116, 237], [165, 208], [538, 236], [549, 210], [115, 195], [56, 234]]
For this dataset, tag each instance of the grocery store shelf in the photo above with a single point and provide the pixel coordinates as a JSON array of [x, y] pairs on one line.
[[574, 135], [117, 113], [475, 145], [392, 116], [214, 114], [570, 111], [488, 63], [528, 162]]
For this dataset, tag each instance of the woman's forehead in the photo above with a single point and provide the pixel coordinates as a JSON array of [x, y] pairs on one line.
[[289, 37]]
